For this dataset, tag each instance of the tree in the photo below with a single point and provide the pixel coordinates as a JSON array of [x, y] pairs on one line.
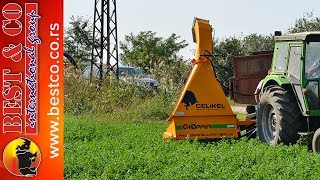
[[234, 46], [145, 50], [78, 39], [224, 50], [306, 23], [157, 56], [257, 42]]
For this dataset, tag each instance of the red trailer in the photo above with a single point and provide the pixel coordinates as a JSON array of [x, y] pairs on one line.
[[247, 72]]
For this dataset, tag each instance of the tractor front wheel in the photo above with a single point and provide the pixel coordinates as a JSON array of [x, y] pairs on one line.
[[278, 116], [316, 141]]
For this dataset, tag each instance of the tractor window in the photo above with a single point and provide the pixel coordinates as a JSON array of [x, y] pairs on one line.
[[295, 64], [281, 57], [312, 62], [313, 95]]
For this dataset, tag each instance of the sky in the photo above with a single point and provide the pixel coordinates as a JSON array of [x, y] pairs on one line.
[[227, 17]]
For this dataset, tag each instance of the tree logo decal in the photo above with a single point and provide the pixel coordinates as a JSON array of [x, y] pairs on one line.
[[189, 99]]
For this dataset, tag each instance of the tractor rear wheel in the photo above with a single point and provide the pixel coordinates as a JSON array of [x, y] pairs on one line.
[[316, 141], [278, 116]]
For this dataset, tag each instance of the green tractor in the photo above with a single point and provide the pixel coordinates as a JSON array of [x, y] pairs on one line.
[[289, 103]]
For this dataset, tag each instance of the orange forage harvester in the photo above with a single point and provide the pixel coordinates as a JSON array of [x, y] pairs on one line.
[[202, 111]]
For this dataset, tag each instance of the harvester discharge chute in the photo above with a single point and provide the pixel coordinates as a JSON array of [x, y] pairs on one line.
[[202, 111]]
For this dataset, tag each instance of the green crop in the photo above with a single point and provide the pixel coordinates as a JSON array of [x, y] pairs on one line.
[[104, 147]]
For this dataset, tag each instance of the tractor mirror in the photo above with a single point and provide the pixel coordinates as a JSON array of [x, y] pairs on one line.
[[278, 33]]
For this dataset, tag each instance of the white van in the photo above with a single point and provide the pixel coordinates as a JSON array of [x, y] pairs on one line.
[[127, 74]]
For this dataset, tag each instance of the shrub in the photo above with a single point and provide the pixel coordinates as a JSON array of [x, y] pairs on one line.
[[111, 95]]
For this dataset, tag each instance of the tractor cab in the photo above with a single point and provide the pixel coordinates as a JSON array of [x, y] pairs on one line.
[[296, 63]]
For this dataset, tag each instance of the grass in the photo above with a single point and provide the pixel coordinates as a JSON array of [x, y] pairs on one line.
[[112, 147], [240, 116]]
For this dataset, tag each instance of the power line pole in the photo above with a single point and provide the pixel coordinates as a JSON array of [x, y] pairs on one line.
[[105, 37]]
